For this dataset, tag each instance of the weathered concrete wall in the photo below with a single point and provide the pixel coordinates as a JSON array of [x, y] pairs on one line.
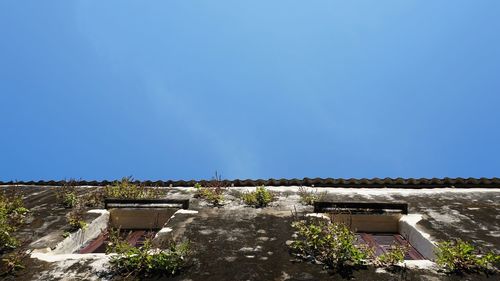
[[236, 242]]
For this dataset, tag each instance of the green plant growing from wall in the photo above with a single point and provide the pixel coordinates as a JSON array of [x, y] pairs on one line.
[[12, 215], [66, 194], [460, 256], [213, 192], [309, 197], [7, 240], [93, 198], [146, 261], [259, 198], [127, 189], [332, 244], [394, 256], [70, 200], [75, 219], [13, 262]]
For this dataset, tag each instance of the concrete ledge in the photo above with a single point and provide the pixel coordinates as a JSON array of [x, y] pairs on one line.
[[165, 233], [75, 240], [418, 239], [50, 257]]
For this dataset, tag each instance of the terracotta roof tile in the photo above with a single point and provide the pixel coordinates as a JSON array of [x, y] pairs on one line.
[[317, 182]]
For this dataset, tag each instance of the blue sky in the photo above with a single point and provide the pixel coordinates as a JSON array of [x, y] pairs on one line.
[[252, 89]]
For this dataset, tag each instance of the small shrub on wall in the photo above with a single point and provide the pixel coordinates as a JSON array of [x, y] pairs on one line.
[[12, 215], [146, 261], [213, 192], [126, 189], [259, 198], [66, 194], [308, 197], [460, 256], [332, 244]]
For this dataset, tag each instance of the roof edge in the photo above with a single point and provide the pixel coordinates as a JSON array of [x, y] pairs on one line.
[[316, 182]]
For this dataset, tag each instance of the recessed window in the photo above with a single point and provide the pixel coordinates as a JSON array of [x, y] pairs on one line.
[[135, 219], [379, 225]]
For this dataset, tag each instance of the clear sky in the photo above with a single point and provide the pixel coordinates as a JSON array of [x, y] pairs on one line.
[[252, 89]]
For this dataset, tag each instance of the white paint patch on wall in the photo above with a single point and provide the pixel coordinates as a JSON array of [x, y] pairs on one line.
[[51, 257]]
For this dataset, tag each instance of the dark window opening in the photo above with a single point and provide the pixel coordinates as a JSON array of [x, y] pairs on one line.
[[381, 243]]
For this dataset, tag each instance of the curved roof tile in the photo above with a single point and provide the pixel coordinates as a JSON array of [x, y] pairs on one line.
[[317, 182]]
